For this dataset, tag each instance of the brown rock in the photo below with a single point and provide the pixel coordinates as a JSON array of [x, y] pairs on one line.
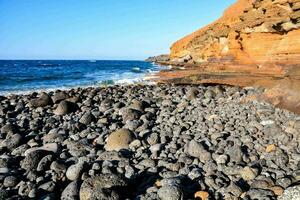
[[248, 173], [277, 190], [270, 148], [203, 195], [265, 20], [296, 6], [59, 96], [119, 139], [43, 100], [65, 107]]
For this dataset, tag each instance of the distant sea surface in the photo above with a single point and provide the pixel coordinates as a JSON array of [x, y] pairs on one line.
[[21, 76]]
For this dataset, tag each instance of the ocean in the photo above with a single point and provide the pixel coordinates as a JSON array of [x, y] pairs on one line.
[[23, 76]]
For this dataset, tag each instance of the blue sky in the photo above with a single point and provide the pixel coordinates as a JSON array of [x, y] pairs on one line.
[[99, 29]]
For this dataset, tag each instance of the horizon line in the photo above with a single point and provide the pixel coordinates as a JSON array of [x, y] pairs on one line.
[[20, 59]]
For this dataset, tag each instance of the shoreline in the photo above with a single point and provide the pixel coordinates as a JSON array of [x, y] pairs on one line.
[[146, 80]]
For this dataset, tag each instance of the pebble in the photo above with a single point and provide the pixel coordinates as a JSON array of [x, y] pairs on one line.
[[147, 142]]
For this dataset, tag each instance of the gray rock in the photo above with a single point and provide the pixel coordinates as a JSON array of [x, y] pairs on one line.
[[32, 159], [139, 105], [248, 173], [42, 101], [12, 141], [197, 150], [292, 193], [105, 181], [235, 153], [59, 96], [24, 188], [176, 181], [221, 159], [87, 118], [65, 107], [71, 192], [260, 194], [170, 193], [75, 171], [99, 187], [58, 167], [4, 170], [10, 181], [129, 114], [44, 163], [50, 147], [48, 186], [9, 128], [284, 182]]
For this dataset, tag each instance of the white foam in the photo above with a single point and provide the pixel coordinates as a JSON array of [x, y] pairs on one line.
[[125, 78]]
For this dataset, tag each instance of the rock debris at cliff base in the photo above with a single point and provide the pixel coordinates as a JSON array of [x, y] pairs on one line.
[[147, 142]]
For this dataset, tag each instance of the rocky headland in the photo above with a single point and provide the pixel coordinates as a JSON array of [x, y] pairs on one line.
[[255, 43], [148, 142]]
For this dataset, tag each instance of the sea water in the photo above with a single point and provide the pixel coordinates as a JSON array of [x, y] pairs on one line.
[[21, 76]]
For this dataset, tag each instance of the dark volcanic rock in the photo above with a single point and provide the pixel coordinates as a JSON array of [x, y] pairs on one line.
[[43, 100], [170, 142], [65, 107]]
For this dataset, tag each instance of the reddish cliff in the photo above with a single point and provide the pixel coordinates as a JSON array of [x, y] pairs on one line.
[[250, 32], [255, 43]]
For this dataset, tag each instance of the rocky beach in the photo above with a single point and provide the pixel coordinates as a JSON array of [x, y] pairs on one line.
[[148, 142], [220, 122]]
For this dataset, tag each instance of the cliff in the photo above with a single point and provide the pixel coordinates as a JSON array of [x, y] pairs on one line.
[[254, 43], [250, 32]]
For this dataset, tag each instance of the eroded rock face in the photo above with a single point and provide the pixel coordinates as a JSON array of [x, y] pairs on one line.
[[250, 31]]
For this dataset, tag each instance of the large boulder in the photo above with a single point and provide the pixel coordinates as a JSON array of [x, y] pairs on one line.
[[104, 186], [43, 100], [65, 107], [59, 96], [119, 139]]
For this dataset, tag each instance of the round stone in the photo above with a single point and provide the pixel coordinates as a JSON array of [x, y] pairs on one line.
[[119, 139]]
